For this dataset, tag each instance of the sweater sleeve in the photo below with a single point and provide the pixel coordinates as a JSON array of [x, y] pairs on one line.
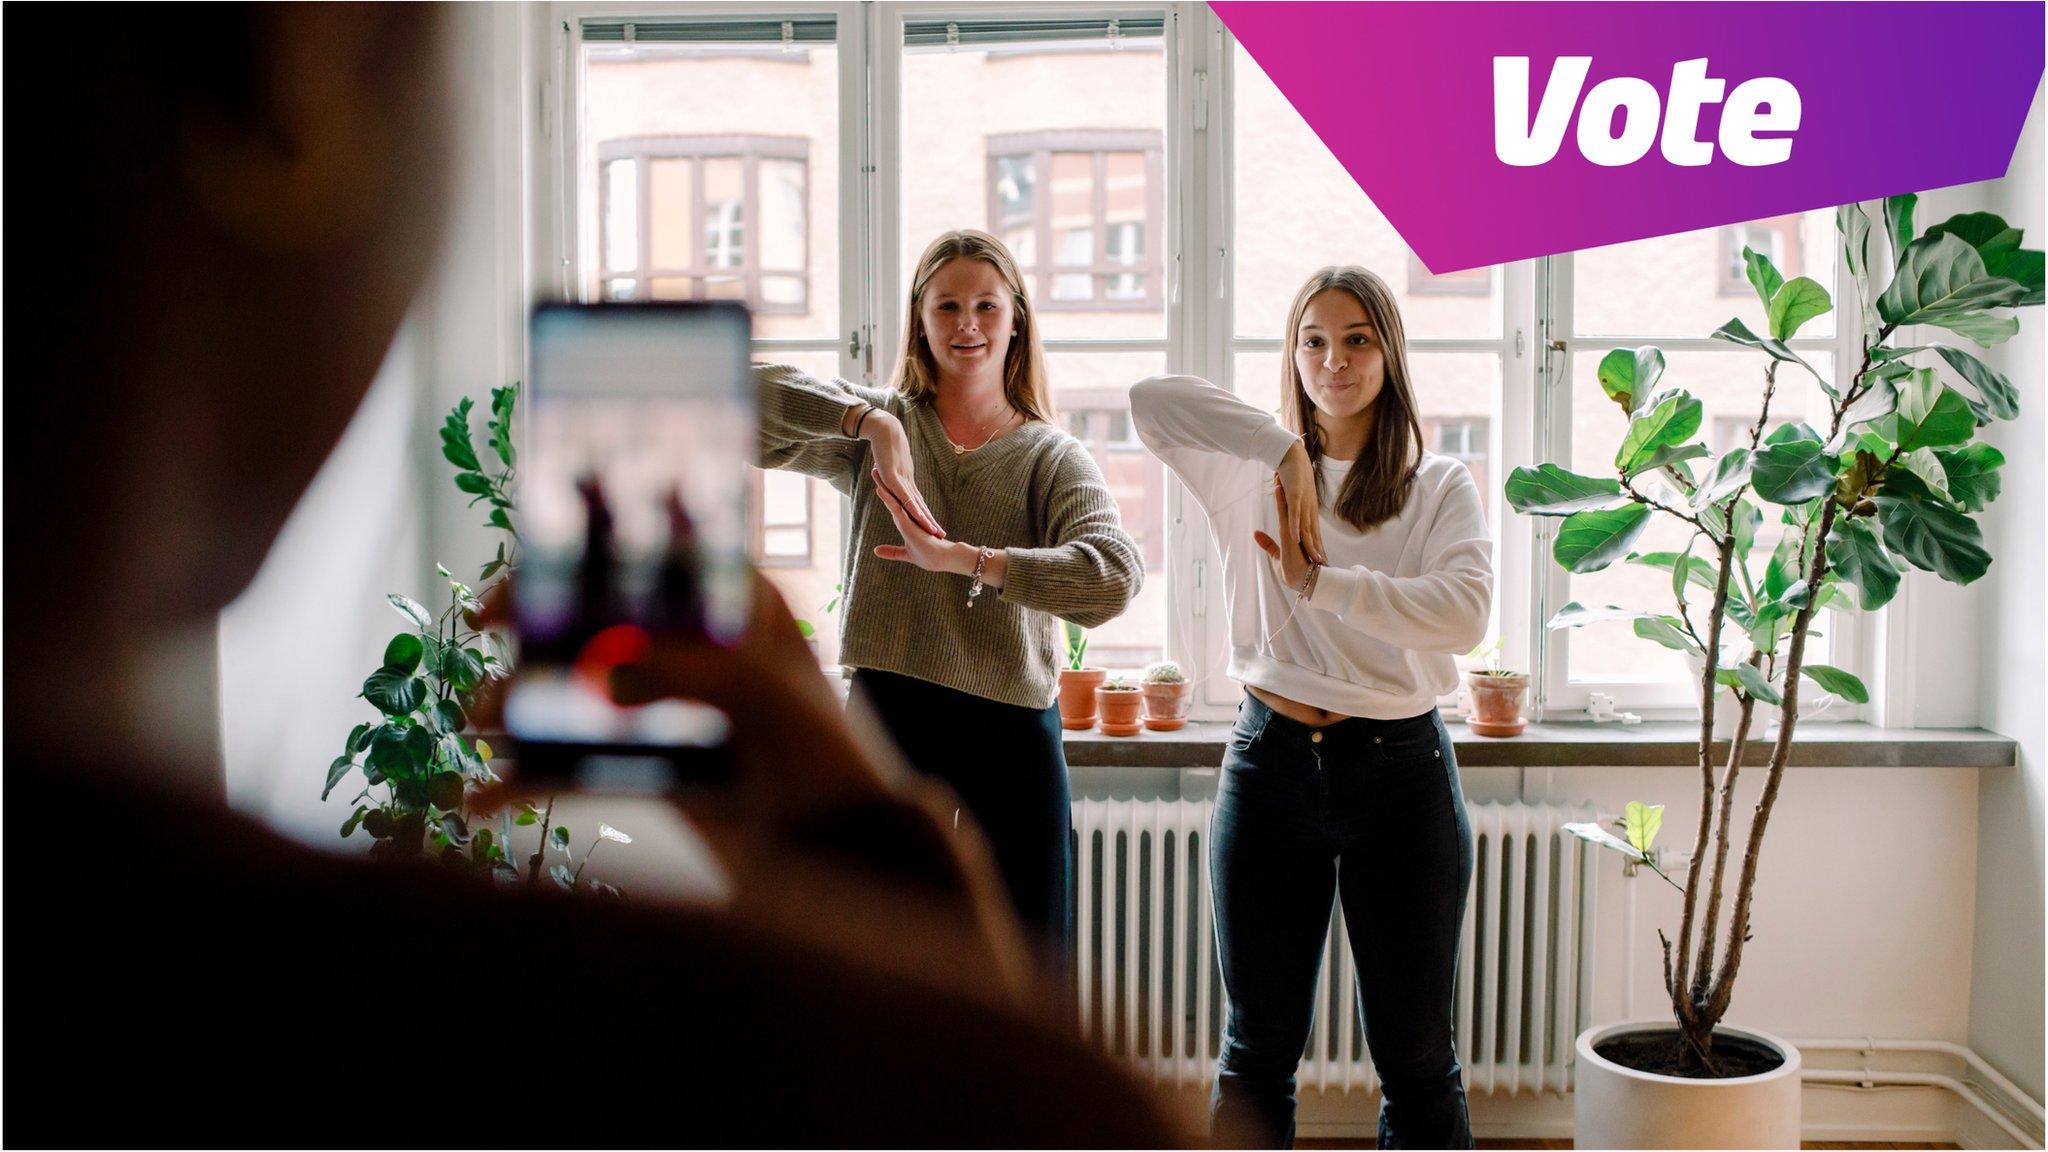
[[1220, 446], [1444, 609], [1092, 569], [800, 421]]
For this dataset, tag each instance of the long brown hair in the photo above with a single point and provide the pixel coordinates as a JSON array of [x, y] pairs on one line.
[[1377, 485], [1024, 379]]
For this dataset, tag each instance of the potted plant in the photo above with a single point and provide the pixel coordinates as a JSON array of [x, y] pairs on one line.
[[1118, 703], [1078, 683], [1497, 694], [1892, 479], [421, 751], [1168, 693]]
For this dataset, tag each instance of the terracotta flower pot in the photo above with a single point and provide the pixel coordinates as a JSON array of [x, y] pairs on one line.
[[1118, 709], [1496, 703], [1166, 704], [1077, 697]]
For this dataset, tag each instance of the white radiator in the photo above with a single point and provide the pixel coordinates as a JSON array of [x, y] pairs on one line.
[[1150, 990]]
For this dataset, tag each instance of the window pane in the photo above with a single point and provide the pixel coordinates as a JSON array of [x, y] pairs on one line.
[[782, 216], [1046, 146], [1692, 283], [1728, 385], [785, 498], [1093, 393], [809, 587], [671, 213], [1297, 209], [781, 543], [770, 173], [622, 216], [672, 288]]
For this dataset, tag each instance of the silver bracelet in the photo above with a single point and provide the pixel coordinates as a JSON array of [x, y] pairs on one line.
[[980, 562], [1308, 582]]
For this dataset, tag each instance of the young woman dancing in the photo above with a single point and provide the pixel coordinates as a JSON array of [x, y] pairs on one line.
[[1373, 567]]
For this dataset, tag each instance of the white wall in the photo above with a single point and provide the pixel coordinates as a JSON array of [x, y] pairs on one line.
[[2006, 1005]]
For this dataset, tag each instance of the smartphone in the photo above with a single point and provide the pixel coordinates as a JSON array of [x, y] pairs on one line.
[[633, 521]]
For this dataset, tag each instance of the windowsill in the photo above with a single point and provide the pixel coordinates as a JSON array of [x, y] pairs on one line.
[[1652, 744]]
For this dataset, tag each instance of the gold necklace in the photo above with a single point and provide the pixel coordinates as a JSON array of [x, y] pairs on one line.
[[1000, 425]]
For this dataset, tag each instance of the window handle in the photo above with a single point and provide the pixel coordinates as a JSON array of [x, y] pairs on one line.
[[853, 345]]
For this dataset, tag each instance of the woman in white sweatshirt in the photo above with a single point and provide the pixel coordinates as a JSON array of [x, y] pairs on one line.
[[1355, 563]]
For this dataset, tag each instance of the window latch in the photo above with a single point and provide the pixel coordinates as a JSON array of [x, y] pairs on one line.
[[853, 345]]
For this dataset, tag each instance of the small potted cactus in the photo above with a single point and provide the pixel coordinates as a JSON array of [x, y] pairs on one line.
[[1497, 694], [1078, 683], [1117, 701], [1168, 693]]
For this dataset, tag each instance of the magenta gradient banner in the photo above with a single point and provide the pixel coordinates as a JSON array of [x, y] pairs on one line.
[[1889, 98]]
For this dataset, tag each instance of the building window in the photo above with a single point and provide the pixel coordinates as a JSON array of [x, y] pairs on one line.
[[1464, 439], [705, 218], [779, 519], [1082, 211], [1468, 282], [1100, 418], [1776, 237]]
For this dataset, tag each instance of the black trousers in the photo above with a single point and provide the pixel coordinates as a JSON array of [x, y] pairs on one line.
[[1010, 770]]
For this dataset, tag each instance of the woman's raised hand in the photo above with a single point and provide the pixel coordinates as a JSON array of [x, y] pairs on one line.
[[1287, 553], [919, 546], [894, 471], [1302, 503]]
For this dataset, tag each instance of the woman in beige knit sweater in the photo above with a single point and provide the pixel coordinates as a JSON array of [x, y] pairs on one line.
[[978, 524]]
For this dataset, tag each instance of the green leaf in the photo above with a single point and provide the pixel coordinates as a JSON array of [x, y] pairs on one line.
[[1756, 684], [1641, 821], [1879, 400], [1728, 475], [559, 838], [1934, 537], [1986, 330], [1547, 490], [1670, 418], [1836, 682], [394, 692], [1793, 472], [613, 834], [1697, 570], [1855, 552], [1763, 276], [503, 401], [1800, 300], [456, 445], [1854, 226], [1972, 473], [1736, 332], [354, 821], [1922, 463], [1591, 540], [336, 770], [1576, 615], [1987, 233], [390, 756], [1594, 834], [1782, 568], [1746, 521], [1931, 414], [403, 653], [1664, 630], [1628, 374], [448, 716], [498, 520], [562, 876], [527, 816], [2022, 266], [1942, 279], [1997, 398], [474, 483], [412, 610], [1898, 223], [445, 791], [359, 736], [1669, 455], [1791, 433], [805, 629]]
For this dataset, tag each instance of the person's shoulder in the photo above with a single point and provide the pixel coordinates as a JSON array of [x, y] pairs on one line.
[[777, 373], [1440, 478]]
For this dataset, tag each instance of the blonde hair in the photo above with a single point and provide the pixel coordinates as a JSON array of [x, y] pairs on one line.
[[1378, 483], [1024, 378]]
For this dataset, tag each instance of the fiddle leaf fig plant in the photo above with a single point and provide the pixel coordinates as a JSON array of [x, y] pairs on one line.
[[1891, 481], [419, 765]]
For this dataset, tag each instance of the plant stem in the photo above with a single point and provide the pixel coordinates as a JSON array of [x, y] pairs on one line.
[[1710, 665], [547, 824], [1703, 970]]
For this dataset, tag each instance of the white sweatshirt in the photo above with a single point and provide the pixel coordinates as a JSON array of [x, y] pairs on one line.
[[1393, 606]]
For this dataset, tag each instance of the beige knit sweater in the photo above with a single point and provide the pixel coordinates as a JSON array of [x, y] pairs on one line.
[[1035, 492]]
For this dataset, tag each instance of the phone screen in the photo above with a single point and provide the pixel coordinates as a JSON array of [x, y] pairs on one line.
[[633, 499]]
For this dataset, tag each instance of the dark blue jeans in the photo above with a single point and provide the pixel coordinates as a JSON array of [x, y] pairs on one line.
[[1369, 812], [1009, 768]]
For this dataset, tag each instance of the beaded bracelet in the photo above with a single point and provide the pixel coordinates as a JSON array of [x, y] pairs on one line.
[[980, 562], [1308, 582]]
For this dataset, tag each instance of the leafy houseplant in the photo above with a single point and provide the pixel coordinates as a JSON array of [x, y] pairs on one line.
[[1078, 682], [1168, 692], [1893, 479], [433, 674], [1117, 702], [1497, 693]]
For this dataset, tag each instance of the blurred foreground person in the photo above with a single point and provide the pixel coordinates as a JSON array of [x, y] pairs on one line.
[[257, 194]]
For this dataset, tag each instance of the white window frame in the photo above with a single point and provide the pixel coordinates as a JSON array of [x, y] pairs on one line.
[[1532, 421]]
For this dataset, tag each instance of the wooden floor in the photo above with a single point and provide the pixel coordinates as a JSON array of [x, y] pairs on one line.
[[1567, 1144], [1510, 1143]]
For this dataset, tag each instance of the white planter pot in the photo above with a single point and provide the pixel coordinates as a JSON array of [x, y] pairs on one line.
[[1617, 1107]]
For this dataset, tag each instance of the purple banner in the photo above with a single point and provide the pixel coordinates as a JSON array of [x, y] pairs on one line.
[[1495, 132]]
